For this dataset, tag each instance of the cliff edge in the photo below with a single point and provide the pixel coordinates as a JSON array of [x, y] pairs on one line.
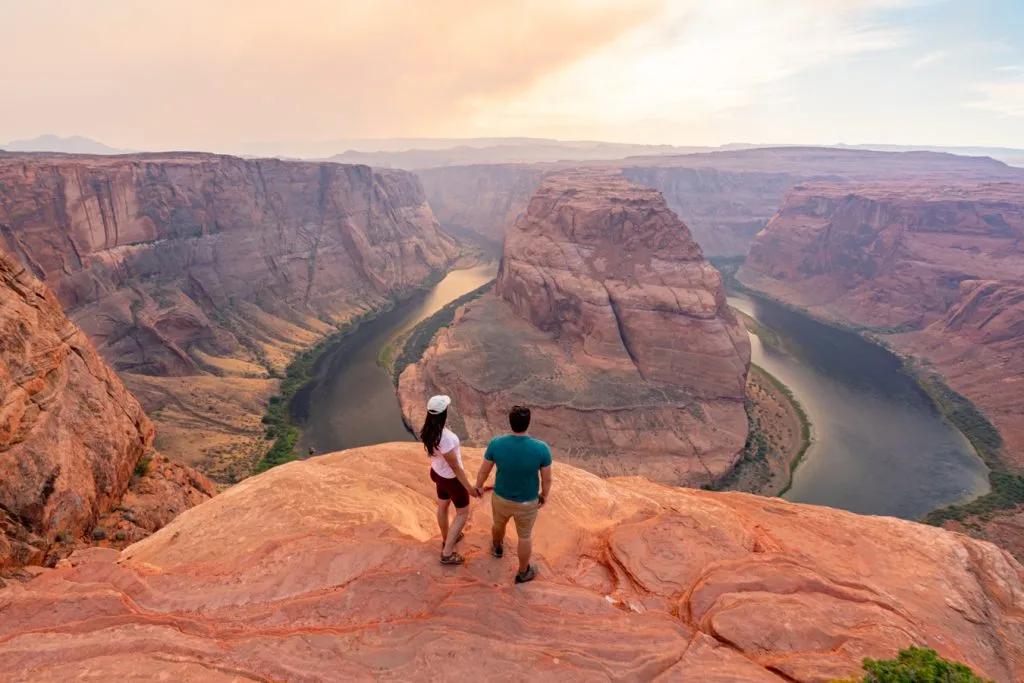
[[327, 569]]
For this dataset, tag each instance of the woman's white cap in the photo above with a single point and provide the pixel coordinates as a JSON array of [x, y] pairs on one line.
[[438, 404]]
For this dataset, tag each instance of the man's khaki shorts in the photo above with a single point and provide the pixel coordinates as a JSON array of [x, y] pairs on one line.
[[525, 515]]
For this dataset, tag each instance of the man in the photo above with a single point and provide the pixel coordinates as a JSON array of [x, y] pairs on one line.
[[521, 461]]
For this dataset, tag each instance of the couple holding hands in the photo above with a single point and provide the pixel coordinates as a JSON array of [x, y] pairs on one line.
[[521, 485]]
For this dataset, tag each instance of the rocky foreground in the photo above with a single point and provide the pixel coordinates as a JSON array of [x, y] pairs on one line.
[[199, 276], [609, 322], [327, 570], [71, 435]]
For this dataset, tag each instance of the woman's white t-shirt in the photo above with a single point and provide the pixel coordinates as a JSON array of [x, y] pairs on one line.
[[448, 443]]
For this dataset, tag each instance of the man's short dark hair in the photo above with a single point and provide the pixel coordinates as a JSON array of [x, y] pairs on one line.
[[519, 419]]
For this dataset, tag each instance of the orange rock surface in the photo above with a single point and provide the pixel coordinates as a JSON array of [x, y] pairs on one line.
[[70, 433], [327, 569], [609, 322]]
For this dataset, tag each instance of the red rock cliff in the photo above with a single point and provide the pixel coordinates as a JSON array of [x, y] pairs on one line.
[[484, 200], [610, 323], [637, 581], [889, 256], [212, 267], [70, 433]]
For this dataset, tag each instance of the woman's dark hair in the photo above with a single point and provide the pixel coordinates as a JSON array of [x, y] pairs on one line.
[[430, 435], [519, 419]]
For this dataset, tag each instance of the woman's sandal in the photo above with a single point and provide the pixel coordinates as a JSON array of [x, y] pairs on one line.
[[454, 558]]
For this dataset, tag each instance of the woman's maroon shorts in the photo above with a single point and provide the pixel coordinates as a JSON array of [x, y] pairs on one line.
[[450, 489]]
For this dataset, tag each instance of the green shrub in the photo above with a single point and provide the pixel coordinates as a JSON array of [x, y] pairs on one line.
[[918, 665], [142, 466]]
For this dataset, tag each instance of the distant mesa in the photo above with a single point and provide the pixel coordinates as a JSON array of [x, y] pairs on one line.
[[609, 321], [887, 256], [76, 144], [724, 196]]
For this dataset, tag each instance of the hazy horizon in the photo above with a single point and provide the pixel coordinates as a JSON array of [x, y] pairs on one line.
[[243, 77]]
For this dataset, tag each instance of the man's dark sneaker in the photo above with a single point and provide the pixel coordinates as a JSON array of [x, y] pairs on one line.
[[529, 575], [497, 550]]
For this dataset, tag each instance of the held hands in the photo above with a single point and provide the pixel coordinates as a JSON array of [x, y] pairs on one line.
[[476, 492]]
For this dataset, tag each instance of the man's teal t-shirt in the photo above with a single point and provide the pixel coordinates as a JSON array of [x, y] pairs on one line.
[[518, 459]]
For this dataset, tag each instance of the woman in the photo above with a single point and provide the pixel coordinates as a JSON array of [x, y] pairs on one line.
[[448, 476]]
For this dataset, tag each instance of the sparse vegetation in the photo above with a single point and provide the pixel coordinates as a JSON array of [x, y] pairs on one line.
[[918, 665], [136, 306], [142, 466], [421, 336], [99, 533], [1007, 487], [757, 447]]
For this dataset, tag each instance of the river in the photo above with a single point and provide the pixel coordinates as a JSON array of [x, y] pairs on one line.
[[880, 446], [351, 400]]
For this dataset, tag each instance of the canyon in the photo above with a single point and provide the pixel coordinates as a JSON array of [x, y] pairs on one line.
[[724, 197], [932, 270], [607, 319], [638, 581], [71, 435], [199, 276]]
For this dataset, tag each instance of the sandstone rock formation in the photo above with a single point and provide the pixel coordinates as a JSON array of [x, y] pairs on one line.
[[70, 433], [610, 323], [204, 266], [327, 570], [887, 256], [724, 197], [481, 201]]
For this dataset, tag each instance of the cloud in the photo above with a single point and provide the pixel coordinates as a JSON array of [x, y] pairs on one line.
[[699, 60], [928, 59], [195, 72], [1004, 98]]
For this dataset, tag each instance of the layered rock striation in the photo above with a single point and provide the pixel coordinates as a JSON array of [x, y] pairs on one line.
[[887, 257], [637, 581], [200, 266], [70, 433], [607, 320]]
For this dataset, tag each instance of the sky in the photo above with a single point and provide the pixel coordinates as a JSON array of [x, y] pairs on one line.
[[229, 75]]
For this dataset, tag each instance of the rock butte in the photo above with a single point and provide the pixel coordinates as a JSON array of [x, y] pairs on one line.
[[70, 433], [213, 271], [724, 197], [606, 318], [327, 569]]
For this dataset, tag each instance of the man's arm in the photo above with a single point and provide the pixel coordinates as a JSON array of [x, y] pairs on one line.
[[545, 484], [485, 471]]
